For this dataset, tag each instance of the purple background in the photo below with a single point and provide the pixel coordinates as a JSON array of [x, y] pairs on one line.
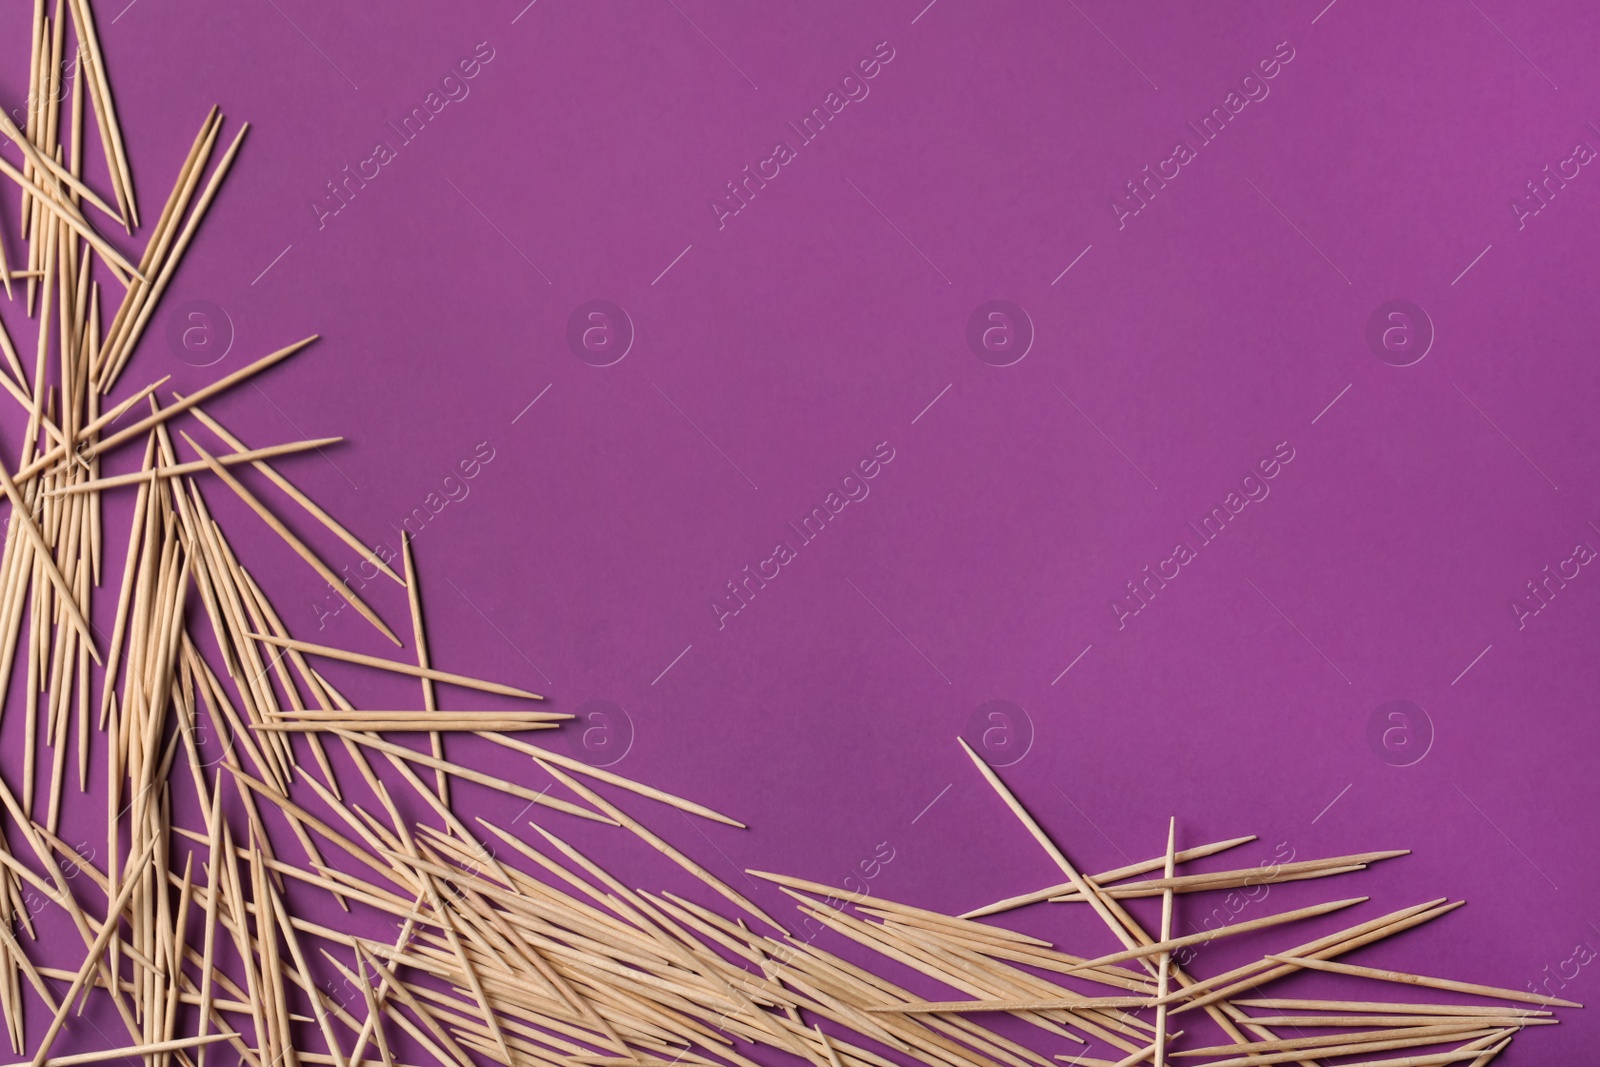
[[826, 317]]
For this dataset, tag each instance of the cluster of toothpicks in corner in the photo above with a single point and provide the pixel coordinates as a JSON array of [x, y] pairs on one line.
[[226, 918]]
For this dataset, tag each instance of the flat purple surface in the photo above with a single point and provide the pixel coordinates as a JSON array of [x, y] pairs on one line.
[[1174, 348]]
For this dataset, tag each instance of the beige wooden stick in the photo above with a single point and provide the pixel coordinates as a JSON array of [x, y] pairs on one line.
[[1049, 846], [12, 359], [405, 725], [824, 890], [1248, 876], [44, 554], [472, 776], [397, 666], [374, 1012], [386, 987], [1416, 1034], [922, 1007], [157, 244], [1164, 975], [1255, 1059], [827, 1046], [91, 963], [1500, 1018], [1481, 1061], [1437, 1059], [149, 1049], [209, 937], [61, 208], [447, 923], [403, 993], [423, 718], [1261, 971], [420, 636], [127, 341], [194, 467], [296, 495], [1204, 936], [324, 1023], [1101, 880], [606, 807], [111, 130], [300, 547], [199, 151], [63, 174], [98, 447], [603, 775], [1141, 1055], [60, 437], [1117, 919], [1369, 1006], [1423, 980]]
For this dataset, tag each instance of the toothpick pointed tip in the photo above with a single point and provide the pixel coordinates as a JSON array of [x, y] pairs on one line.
[[988, 772]]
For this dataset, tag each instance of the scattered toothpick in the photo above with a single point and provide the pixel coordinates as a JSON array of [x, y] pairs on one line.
[[195, 941]]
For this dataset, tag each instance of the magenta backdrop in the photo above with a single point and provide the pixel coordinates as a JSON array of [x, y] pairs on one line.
[[1173, 341]]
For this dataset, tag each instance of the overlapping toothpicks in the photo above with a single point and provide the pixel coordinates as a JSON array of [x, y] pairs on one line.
[[259, 823]]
